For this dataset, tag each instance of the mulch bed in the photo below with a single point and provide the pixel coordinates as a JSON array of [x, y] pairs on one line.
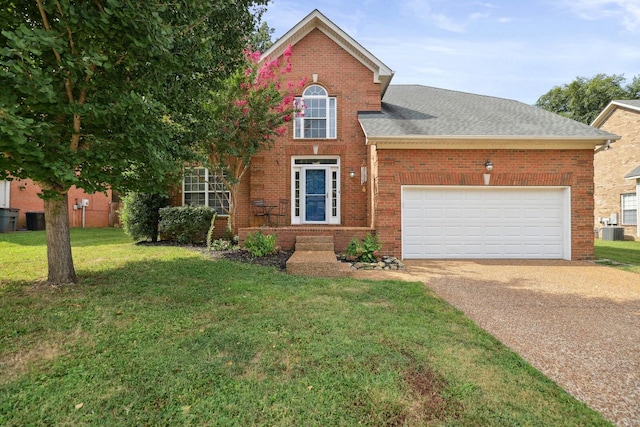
[[277, 260]]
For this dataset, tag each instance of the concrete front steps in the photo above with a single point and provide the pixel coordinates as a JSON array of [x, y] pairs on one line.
[[315, 256]]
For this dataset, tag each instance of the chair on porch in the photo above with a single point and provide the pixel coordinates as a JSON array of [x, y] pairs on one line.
[[258, 213], [283, 211]]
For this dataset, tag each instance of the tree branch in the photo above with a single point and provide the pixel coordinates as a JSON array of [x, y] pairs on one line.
[[45, 23], [99, 6]]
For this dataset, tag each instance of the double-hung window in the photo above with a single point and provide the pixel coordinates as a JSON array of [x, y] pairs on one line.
[[203, 188], [317, 118], [629, 205]]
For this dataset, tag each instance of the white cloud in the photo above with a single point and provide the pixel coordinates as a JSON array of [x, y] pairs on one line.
[[627, 12], [422, 10]]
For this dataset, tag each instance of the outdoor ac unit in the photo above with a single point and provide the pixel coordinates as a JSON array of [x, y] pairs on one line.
[[612, 233]]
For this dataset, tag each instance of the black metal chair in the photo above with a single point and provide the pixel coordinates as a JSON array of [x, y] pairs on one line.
[[257, 210], [283, 211]]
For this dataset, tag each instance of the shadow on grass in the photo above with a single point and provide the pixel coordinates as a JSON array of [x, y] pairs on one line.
[[624, 252], [174, 341]]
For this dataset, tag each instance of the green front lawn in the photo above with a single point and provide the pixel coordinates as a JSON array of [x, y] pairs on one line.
[[621, 254], [157, 335]]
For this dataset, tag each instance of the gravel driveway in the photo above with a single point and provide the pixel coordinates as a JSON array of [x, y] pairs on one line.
[[576, 322]]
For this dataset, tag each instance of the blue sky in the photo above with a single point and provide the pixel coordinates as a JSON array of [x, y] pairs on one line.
[[516, 49]]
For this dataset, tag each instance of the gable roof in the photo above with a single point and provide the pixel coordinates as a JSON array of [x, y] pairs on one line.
[[631, 104], [634, 174], [316, 20], [426, 117]]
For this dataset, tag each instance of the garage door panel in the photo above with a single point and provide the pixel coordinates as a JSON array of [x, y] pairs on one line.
[[477, 222]]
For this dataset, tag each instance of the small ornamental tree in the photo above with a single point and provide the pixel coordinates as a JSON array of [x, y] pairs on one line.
[[248, 114]]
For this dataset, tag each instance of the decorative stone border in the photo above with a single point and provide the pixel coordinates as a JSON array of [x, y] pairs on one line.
[[385, 263]]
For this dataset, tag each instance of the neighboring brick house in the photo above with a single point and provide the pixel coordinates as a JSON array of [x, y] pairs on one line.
[[617, 170], [23, 195], [434, 173]]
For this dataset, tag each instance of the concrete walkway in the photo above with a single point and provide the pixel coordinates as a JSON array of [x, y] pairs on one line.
[[576, 322]]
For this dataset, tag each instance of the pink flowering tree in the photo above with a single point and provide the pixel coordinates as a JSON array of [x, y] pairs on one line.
[[248, 114]]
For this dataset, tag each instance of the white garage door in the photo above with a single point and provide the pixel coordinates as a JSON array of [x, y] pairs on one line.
[[481, 222]]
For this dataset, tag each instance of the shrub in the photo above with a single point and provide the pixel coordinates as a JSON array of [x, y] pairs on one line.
[[259, 244], [185, 224], [365, 250], [220, 245], [140, 215]]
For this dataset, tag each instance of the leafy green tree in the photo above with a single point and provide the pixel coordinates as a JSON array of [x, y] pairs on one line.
[[583, 99], [109, 93], [250, 110], [260, 40]]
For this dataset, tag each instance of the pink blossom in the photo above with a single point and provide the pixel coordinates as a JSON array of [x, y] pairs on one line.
[[252, 56], [288, 99]]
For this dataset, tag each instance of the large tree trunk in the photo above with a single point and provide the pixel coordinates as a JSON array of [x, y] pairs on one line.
[[56, 212]]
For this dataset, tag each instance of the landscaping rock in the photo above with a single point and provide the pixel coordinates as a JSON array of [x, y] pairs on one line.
[[385, 263]]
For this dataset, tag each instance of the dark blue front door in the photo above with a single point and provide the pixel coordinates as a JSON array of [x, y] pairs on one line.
[[316, 200]]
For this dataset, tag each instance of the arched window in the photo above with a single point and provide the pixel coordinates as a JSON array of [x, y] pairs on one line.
[[318, 116]]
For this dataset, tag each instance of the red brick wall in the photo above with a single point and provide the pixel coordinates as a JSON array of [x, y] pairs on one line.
[[352, 84], [269, 177], [612, 165], [24, 196], [466, 167]]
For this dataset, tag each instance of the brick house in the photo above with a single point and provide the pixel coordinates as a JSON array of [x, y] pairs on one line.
[[99, 211], [617, 170], [434, 173]]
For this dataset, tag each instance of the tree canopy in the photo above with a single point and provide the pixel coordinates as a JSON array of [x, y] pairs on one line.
[[584, 98], [250, 110], [109, 93]]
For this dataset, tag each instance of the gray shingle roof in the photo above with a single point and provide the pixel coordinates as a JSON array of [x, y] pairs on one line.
[[633, 103], [634, 173], [427, 111]]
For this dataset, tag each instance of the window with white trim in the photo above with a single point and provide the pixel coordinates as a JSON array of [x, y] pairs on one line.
[[317, 119], [629, 205], [202, 188]]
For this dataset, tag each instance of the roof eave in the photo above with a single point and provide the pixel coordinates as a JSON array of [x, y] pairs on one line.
[[469, 142]]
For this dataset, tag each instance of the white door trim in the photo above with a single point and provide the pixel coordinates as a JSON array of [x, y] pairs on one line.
[[331, 166]]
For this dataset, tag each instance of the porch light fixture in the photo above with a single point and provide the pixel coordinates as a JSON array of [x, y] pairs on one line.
[[352, 173], [488, 165]]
